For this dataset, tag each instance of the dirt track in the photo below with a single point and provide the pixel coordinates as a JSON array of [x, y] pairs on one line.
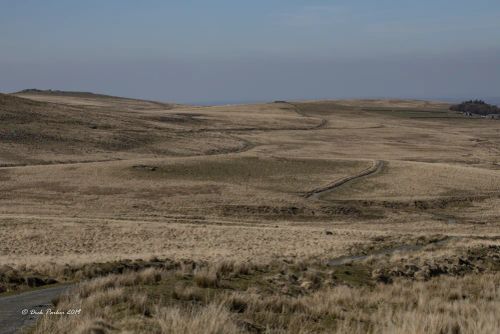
[[375, 168]]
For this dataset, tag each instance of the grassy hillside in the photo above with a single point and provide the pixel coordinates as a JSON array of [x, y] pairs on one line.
[[349, 216]]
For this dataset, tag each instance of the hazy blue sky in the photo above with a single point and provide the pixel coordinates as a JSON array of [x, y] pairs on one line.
[[230, 50]]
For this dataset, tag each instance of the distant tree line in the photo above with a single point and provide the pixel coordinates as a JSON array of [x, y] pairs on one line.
[[477, 107]]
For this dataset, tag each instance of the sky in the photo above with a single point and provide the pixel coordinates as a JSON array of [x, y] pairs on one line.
[[224, 51]]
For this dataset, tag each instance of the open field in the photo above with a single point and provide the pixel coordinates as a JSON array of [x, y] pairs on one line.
[[349, 216]]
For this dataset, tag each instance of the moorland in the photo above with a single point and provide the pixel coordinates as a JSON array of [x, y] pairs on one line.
[[345, 216]]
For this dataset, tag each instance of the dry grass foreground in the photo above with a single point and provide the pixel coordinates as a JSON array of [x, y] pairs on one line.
[[115, 304], [90, 185]]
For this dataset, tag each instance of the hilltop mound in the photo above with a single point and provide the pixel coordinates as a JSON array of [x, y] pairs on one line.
[[30, 128], [55, 92], [19, 110], [10, 100], [58, 127], [91, 99]]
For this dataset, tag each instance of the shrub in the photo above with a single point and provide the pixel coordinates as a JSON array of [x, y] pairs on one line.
[[478, 107]]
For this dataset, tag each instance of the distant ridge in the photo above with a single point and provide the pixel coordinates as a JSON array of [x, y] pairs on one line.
[[76, 94], [35, 91]]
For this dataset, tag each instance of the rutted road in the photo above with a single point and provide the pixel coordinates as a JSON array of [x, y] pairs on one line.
[[11, 307], [374, 169]]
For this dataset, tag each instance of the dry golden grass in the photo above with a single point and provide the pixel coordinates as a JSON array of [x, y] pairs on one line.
[[446, 305], [227, 183], [416, 180], [22, 242]]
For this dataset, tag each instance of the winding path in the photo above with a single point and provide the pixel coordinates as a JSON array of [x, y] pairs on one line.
[[374, 169]]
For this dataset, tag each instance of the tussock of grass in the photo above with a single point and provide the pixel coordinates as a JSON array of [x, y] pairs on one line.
[[463, 305], [211, 319], [188, 293], [207, 277]]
